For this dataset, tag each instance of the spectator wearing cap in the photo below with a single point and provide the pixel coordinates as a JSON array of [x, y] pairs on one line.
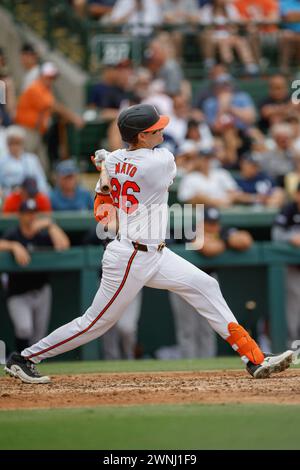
[[68, 195], [35, 107], [28, 190], [98, 91], [18, 164], [207, 184], [194, 335], [257, 187], [217, 238], [277, 154], [112, 90], [286, 228], [186, 156], [29, 293], [30, 63]]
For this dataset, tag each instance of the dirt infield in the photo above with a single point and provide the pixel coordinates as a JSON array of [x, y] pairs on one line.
[[151, 388]]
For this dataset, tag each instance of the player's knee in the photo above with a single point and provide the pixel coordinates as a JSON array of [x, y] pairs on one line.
[[210, 282]]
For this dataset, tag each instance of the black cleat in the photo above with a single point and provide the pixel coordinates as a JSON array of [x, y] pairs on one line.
[[272, 364], [20, 368]]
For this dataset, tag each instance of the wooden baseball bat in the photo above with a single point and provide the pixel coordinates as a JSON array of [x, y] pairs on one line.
[[103, 178]]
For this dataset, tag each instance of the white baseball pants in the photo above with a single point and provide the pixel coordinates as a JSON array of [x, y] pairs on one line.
[[125, 272]]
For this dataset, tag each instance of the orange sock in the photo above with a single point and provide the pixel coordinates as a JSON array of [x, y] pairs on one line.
[[242, 343]]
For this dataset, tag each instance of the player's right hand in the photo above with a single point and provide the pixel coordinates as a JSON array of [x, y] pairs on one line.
[[21, 255], [99, 157]]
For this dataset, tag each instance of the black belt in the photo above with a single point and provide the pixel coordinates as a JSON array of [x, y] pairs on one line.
[[141, 247]]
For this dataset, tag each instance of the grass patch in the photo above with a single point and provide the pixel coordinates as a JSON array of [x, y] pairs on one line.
[[153, 427]]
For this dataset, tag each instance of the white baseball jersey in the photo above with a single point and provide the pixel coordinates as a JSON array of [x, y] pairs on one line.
[[140, 180]]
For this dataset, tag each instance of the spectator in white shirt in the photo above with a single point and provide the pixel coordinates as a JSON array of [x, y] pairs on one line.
[[160, 61], [208, 185], [140, 16], [277, 156], [187, 123], [17, 164]]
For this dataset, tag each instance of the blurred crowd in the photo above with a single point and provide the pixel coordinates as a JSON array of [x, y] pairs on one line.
[[228, 27], [229, 149]]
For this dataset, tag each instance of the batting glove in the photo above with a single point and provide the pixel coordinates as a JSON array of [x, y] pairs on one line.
[[99, 157]]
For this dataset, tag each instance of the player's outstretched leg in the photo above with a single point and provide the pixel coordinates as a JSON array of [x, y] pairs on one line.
[[122, 278], [204, 294]]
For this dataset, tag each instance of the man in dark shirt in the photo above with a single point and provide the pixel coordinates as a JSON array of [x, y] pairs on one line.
[[257, 186], [29, 293], [98, 91], [112, 90], [277, 106]]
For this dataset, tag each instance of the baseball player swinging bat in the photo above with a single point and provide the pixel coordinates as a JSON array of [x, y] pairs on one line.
[[140, 176]]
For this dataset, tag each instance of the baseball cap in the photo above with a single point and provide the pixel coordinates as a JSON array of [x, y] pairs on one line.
[[28, 49], [187, 146], [251, 158], [49, 69], [28, 206], [66, 167], [140, 118], [206, 152], [223, 79], [123, 63], [30, 186], [211, 214]]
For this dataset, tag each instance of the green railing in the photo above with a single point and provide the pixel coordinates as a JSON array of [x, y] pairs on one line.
[[239, 217], [272, 256]]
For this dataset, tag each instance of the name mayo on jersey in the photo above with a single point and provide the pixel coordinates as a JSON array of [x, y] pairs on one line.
[[140, 180], [126, 169]]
